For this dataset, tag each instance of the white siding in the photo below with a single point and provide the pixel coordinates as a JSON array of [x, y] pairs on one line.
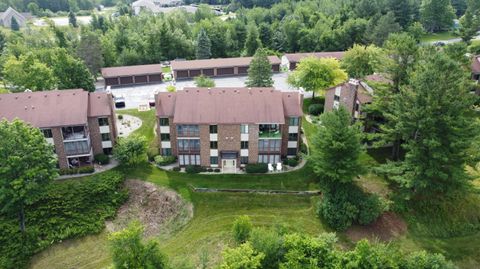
[[244, 152], [293, 129], [214, 152], [244, 137], [105, 129], [292, 144], [50, 141], [213, 137], [164, 129], [166, 145], [106, 144]]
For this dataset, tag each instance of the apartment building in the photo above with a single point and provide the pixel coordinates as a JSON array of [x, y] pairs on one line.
[[476, 68], [353, 95], [79, 124], [229, 127]]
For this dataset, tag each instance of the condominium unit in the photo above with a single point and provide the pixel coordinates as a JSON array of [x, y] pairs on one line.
[[229, 127], [353, 95], [79, 124]]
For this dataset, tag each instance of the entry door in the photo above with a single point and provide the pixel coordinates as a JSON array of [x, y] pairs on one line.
[[229, 163]]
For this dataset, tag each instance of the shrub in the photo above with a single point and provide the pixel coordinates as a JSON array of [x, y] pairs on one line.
[[120, 116], [209, 170], [242, 226], [131, 150], [102, 159], [256, 168], [69, 209], [164, 160], [171, 88], [152, 152], [204, 81], [194, 169], [315, 109], [176, 169], [74, 171], [370, 208], [292, 162], [303, 148], [216, 170]]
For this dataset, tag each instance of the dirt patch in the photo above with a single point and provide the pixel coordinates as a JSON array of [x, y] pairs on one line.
[[161, 211], [388, 226]]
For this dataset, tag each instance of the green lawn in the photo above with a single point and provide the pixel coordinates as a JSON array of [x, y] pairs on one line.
[[166, 69], [209, 230], [438, 37]]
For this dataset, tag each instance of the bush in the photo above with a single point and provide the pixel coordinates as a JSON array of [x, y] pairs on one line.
[[69, 209], [171, 88], [120, 116], [131, 150], [74, 171], [210, 170], [256, 168], [164, 160], [102, 159], [176, 169], [303, 148], [194, 169], [292, 162], [242, 226], [216, 170], [315, 109], [370, 209]]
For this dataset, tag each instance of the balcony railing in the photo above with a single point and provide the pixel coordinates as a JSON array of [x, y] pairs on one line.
[[269, 131], [75, 148], [74, 133]]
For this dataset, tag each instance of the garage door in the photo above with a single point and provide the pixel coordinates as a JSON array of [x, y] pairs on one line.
[[140, 79], [155, 78], [293, 66], [181, 74], [225, 71], [207, 72], [275, 68], [126, 80], [195, 73], [243, 70], [111, 81]]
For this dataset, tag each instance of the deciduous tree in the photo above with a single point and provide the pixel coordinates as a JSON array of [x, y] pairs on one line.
[[89, 50], [242, 257], [131, 150], [28, 73], [204, 81], [361, 61], [437, 15], [252, 43], [27, 167]]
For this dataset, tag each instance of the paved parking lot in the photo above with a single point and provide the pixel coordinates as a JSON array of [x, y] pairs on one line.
[[140, 95]]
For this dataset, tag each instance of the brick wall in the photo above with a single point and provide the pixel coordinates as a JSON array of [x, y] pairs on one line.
[[284, 130], [59, 148], [229, 139], [95, 136], [253, 143], [204, 144]]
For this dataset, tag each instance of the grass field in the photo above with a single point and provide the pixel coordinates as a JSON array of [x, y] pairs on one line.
[[438, 37], [209, 230]]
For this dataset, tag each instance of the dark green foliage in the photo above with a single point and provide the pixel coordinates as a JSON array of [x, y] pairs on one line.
[[256, 168], [268, 242], [437, 15], [252, 43], [75, 171], [216, 170], [194, 169], [131, 150], [203, 45], [176, 169], [204, 81], [102, 159], [14, 24], [241, 229], [315, 109], [164, 160], [292, 162], [260, 71], [72, 19], [69, 209]]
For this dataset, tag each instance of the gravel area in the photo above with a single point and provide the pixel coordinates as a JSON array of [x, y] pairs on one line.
[[127, 125]]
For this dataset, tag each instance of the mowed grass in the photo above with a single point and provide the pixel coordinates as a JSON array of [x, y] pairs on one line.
[[438, 37]]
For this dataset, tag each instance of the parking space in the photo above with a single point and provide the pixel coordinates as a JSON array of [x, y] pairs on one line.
[[140, 95]]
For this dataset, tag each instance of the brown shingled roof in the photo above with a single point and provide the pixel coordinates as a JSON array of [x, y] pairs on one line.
[[220, 63], [100, 104], [132, 70], [476, 64], [228, 105], [296, 57], [46, 109]]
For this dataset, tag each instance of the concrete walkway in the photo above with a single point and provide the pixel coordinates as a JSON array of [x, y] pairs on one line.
[[315, 192]]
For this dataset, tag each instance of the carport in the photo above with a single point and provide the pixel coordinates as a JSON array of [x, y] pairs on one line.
[[131, 75], [184, 69]]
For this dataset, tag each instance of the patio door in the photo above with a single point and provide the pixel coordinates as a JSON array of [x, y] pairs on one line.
[[229, 166]]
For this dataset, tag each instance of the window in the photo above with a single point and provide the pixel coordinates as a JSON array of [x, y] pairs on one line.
[[213, 160], [291, 151], [103, 121], [74, 132], [77, 147], [106, 137], [243, 160], [268, 158], [213, 129], [213, 145], [336, 98], [47, 133], [165, 137], [357, 107], [293, 137], [244, 129], [187, 130], [189, 144], [164, 122], [166, 152], [107, 151], [244, 145], [269, 131], [192, 159], [269, 145], [293, 121]]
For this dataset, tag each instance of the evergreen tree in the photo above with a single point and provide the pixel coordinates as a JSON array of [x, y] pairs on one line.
[[437, 15], [435, 118], [265, 34], [385, 26], [278, 41], [260, 70], [252, 43], [203, 45], [468, 27], [88, 50], [14, 24], [336, 147], [72, 19]]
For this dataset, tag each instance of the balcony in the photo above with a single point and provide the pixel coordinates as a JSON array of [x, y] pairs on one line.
[[269, 131], [77, 148], [74, 133]]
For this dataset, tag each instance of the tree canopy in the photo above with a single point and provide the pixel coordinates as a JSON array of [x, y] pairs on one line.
[[260, 70]]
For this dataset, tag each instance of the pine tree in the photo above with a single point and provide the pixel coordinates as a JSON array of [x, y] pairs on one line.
[[468, 27], [203, 45], [72, 19], [435, 118], [252, 43], [260, 70], [14, 24]]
